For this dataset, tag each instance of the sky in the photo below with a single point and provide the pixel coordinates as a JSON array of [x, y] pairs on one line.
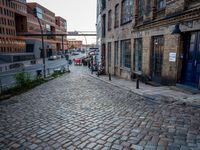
[[80, 15]]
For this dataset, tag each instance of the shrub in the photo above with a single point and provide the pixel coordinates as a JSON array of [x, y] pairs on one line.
[[22, 79]]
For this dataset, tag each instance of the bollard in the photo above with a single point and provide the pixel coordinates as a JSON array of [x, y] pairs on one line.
[[137, 83], [1, 87], [199, 84], [109, 76], [91, 70]]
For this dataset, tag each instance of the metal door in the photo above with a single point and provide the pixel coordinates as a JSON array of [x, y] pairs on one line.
[[157, 58], [191, 63]]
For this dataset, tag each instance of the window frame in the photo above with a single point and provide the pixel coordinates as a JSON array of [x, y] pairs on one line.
[[140, 8], [126, 53], [126, 11], [104, 26], [109, 46], [158, 7], [116, 53], [116, 16], [110, 20], [138, 55]]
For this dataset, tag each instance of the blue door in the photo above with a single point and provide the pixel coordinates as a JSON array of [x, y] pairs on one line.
[[191, 65]]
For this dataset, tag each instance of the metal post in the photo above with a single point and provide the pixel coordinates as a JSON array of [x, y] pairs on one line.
[[1, 87], [42, 36], [98, 72], [109, 76], [44, 52], [137, 83], [91, 70]]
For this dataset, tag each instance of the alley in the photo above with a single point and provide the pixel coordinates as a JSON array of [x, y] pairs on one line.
[[76, 111]]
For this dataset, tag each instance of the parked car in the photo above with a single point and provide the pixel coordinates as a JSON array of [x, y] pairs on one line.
[[75, 53], [59, 56], [54, 57], [77, 61]]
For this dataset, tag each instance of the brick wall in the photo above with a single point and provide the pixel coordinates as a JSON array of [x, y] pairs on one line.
[[174, 6], [146, 56]]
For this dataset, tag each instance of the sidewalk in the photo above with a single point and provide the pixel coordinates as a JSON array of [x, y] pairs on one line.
[[159, 94]]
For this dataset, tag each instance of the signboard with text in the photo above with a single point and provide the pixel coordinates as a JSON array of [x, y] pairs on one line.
[[172, 57]]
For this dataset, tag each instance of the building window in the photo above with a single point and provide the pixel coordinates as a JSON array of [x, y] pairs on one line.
[[140, 7], [126, 11], [161, 4], [109, 20], [38, 12], [103, 4], [117, 16], [126, 53], [109, 53], [104, 26], [138, 55], [116, 52]]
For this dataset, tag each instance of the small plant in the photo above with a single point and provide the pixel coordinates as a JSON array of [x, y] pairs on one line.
[[22, 79], [24, 83]]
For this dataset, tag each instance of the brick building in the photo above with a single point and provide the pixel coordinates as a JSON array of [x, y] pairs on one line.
[[13, 20], [16, 18], [157, 40], [61, 27], [50, 24], [73, 43]]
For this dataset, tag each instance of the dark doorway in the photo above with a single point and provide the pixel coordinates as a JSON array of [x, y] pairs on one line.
[[157, 58], [191, 61]]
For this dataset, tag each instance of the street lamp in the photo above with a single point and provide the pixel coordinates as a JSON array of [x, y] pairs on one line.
[[44, 52], [35, 12]]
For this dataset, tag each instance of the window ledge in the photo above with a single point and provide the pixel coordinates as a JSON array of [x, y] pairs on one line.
[[126, 69], [126, 22], [137, 72]]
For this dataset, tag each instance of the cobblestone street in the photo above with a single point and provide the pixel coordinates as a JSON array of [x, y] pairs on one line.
[[77, 111]]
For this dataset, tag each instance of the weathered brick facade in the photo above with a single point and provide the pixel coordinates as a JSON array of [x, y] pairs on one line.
[[155, 21]]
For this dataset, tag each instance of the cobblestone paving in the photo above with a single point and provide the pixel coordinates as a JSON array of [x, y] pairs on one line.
[[76, 111]]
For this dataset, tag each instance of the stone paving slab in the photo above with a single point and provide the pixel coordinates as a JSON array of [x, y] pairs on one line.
[[76, 111]]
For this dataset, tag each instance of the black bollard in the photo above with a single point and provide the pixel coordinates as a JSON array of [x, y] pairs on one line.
[[137, 83], [92, 70], [109, 76]]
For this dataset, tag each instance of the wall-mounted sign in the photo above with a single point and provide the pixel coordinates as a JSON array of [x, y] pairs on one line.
[[172, 57]]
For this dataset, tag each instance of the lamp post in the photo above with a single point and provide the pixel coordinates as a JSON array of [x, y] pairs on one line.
[[44, 52], [42, 37]]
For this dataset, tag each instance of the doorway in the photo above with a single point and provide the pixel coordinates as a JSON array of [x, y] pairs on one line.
[[191, 59], [157, 58]]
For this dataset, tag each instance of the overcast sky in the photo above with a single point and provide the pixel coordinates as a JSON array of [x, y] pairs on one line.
[[80, 14]]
